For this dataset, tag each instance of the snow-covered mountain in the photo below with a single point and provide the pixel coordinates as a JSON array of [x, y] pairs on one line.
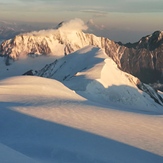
[[62, 41], [8, 30], [11, 29], [142, 59], [91, 73]]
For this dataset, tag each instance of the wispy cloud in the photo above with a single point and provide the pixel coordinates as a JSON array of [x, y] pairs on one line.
[[135, 6], [101, 7], [95, 12], [125, 6], [49, 10], [93, 26], [74, 24], [46, 1]]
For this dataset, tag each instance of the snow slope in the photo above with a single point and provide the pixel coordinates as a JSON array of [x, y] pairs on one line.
[[92, 74], [45, 121], [8, 155]]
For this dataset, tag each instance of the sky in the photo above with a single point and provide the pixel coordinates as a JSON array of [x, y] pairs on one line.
[[119, 19]]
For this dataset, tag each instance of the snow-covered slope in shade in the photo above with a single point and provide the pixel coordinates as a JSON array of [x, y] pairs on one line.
[[23, 65], [48, 122], [8, 155], [93, 75]]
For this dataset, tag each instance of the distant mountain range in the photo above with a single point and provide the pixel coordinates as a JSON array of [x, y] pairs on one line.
[[143, 59], [11, 29]]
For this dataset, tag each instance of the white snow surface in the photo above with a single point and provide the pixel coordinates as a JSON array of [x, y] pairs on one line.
[[48, 122], [94, 115]]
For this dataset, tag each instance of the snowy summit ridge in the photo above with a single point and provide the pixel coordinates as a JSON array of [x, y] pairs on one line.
[[91, 73]]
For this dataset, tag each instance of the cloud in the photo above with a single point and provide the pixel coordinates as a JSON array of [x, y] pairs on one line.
[[136, 6], [93, 26], [125, 6], [95, 12], [46, 1], [74, 24]]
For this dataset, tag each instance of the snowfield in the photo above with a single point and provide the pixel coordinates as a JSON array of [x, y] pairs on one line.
[[44, 120], [88, 112]]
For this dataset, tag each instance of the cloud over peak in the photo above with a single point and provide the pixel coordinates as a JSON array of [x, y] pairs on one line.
[[73, 24]]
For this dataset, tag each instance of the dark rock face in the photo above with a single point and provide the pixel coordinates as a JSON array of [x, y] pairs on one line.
[[30, 72], [143, 64], [144, 59], [151, 92]]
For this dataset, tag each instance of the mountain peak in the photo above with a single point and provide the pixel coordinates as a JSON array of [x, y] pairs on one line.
[[157, 35], [66, 38], [149, 42], [60, 25]]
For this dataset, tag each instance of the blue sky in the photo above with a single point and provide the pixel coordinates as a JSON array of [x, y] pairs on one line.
[[112, 15]]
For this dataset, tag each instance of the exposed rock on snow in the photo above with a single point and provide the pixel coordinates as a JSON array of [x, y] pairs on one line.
[[153, 93]]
